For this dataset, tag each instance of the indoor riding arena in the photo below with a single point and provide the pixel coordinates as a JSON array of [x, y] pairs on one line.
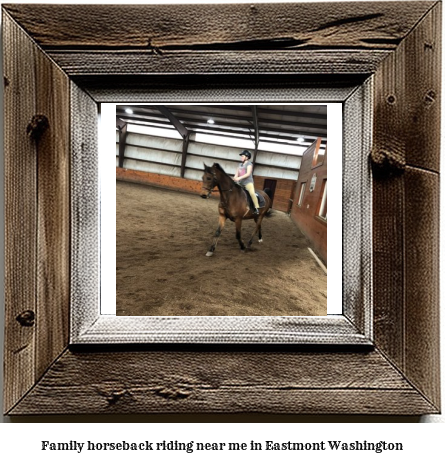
[[164, 227]]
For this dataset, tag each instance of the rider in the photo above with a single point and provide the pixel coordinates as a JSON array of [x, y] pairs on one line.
[[244, 176]]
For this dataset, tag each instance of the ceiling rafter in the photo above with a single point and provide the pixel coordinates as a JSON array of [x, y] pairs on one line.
[[176, 123], [274, 124]]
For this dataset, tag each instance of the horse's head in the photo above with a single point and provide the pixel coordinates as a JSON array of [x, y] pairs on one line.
[[208, 182]]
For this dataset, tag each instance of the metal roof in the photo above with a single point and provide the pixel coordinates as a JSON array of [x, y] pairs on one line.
[[286, 124]]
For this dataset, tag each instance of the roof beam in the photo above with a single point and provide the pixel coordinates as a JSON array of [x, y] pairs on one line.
[[119, 123], [122, 140], [176, 123], [280, 112], [278, 135], [185, 145], [194, 124], [321, 124]]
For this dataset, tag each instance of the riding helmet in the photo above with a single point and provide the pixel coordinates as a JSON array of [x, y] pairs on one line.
[[246, 153]]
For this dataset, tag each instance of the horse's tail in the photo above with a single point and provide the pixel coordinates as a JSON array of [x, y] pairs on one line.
[[269, 193]]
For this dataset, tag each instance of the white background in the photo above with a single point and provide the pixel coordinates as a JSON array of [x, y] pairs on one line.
[[20, 440]]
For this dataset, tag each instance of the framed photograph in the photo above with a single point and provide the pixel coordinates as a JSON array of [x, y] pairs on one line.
[[166, 159], [166, 232], [378, 354]]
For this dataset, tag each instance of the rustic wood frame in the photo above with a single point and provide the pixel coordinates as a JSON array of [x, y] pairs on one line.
[[71, 65]]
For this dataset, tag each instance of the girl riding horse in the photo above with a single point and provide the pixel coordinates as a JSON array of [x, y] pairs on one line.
[[233, 204]]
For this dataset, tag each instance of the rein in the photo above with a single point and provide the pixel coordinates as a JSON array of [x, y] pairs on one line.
[[216, 190], [221, 190]]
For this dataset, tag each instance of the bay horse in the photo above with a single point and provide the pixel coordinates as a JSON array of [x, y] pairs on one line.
[[233, 204]]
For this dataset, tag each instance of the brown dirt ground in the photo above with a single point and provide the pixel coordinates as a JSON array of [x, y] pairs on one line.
[[161, 241]]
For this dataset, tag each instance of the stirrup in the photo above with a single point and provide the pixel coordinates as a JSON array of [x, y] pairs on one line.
[[256, 211]]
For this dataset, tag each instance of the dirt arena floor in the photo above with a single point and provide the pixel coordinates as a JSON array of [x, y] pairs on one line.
[[162, 238]]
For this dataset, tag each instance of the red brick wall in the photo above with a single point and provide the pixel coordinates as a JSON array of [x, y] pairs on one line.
[[306, 215], [284, 190], [160, 180]]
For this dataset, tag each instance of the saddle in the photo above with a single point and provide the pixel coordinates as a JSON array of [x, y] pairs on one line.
[[261, 200]]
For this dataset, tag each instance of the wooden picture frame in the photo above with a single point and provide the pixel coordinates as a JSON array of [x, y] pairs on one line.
[[380, 358]]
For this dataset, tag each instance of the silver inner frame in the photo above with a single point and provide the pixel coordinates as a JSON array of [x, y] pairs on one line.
[[354, 326]]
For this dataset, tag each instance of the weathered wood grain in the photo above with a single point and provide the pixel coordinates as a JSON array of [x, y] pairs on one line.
[[157, 27], [37, 218], [223, 382], [130, 63], [422, 324], [53, 223], [389, 159], [357, 209], [85, 211], [423, 91], [388, 268], [406, 205], [20, 213], [336, 330], [218, 87]]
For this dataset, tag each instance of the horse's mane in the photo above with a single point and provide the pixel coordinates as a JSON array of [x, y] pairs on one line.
[[220, 168]]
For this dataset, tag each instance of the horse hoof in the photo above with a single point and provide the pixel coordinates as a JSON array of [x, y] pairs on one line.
[[260, 240], [209, 254]]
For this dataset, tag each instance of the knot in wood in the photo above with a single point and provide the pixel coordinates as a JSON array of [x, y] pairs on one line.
[[37, 126], [115, 396], [388, 162], [112, 395], [26, 318], [172, 393]]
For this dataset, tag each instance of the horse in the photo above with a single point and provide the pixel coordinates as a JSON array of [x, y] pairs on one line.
[[233, 204]]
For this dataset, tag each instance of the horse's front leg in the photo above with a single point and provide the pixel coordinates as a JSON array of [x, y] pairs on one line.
[[221, 223], [238, 222]]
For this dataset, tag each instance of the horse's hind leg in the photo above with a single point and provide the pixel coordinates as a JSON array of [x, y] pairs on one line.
[[238, 222], [222, 222], [257, 230], [260, 235]]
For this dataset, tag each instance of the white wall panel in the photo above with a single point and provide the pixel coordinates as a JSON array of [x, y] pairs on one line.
[[194, 175], [148, 151], [275, 173], [279, 160], [198, 163], [154, 142], [152, 168], [153, 155], [214, 151]]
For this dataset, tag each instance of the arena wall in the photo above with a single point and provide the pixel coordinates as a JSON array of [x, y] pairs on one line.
[[157, 161], [306, 213], [282, 199]]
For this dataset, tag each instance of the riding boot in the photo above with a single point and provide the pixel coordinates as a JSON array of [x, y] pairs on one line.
[[256, 211]]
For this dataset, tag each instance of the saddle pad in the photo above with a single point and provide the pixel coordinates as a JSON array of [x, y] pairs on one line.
[[261, 200]]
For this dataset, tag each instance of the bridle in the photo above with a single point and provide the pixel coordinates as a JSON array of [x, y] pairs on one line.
[[216, 190], [214, 182]]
